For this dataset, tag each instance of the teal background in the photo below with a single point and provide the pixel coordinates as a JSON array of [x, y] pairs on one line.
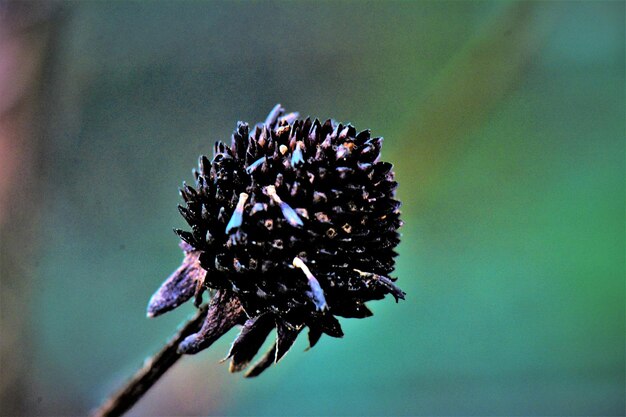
[[505, 122]]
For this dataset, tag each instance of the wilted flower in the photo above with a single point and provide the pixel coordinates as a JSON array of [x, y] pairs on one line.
[[293, 224]]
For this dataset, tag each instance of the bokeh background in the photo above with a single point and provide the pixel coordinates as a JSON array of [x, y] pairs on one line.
[[506, 125]]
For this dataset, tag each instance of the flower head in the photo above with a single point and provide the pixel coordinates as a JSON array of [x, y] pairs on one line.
[[291, 225]]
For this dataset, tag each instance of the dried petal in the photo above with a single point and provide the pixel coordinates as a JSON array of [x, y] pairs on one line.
[[314, 336], [225, 311], [355, 311], [286, 334], [179, 287], [249, 341], [265, 362], [330, 325]]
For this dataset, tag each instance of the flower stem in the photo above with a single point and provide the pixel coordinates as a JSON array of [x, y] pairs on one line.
[[152, 369]]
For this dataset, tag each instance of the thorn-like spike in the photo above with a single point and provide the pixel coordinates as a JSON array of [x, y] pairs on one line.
[[336, 131], [222, 149], [185, 236], [327, 127], [345, 132], [190, 192], [184, 194], [371, 150], [313, 136], [204, 164], [363, 136], [186, 213]]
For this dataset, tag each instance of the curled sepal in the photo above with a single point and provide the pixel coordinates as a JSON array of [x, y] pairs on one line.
[[180, 286], [249, 341], [224, 313]]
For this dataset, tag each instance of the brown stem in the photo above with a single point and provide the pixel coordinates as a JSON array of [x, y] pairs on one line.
[[153, 368]]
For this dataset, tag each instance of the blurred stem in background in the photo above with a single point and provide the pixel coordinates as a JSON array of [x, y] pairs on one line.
[[25, 33], [469, 88]]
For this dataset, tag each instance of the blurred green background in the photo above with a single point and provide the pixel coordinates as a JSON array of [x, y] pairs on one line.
[[505, 122]]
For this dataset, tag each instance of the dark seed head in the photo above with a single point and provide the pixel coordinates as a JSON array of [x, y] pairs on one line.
[[293, 224]]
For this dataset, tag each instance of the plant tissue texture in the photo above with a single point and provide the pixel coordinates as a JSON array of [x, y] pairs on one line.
[[291, 225]]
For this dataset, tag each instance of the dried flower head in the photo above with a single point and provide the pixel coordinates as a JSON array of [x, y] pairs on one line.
[[293, 224]]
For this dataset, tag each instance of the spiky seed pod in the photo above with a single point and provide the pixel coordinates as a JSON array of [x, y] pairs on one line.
[[292, 224]]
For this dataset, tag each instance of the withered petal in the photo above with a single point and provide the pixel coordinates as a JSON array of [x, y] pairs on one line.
[[262, 364], [330, 325], [314, 336], [179, 287], [354, 311], [224, 313], [286, 334], [249, 341], [392, 288]]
